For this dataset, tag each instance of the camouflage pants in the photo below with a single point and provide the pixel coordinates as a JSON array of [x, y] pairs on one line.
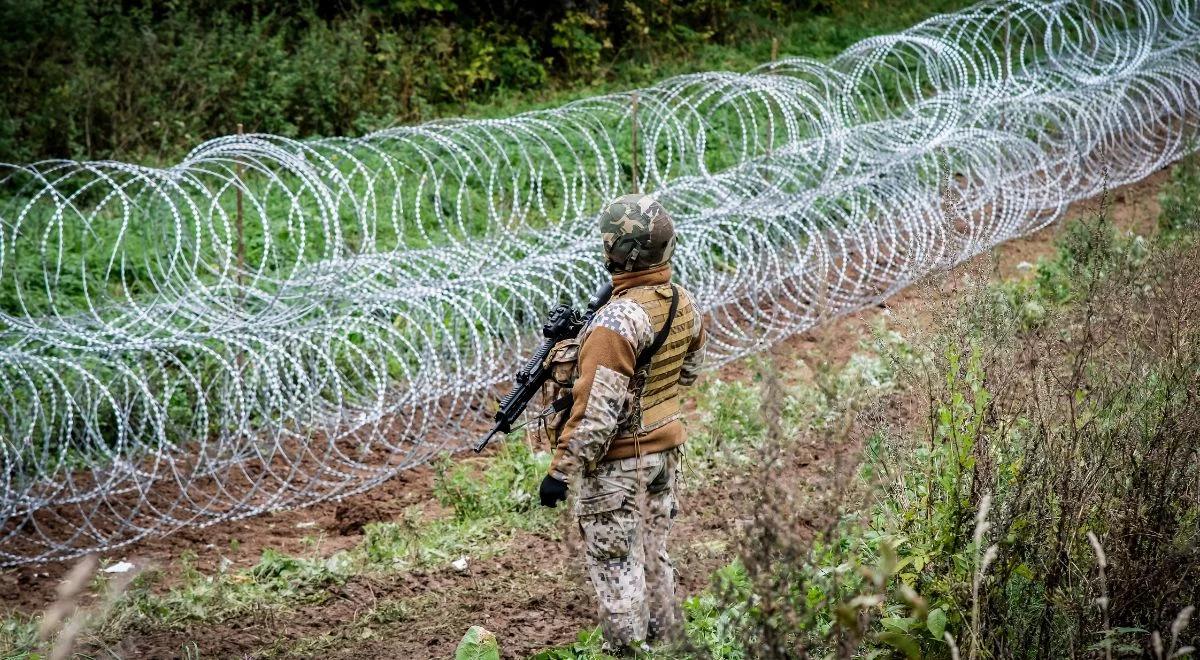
[[624, 513]]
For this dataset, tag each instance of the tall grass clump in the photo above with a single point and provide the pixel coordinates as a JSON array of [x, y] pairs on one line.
[[505, 484], [1180, 200], [1044, 503]]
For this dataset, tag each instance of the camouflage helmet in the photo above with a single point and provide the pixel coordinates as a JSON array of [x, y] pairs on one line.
[[637, 233]]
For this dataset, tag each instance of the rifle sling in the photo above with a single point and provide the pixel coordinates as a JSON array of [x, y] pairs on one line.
[[660, 338]]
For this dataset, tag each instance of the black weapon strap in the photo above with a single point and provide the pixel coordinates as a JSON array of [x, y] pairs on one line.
[[660, 338]]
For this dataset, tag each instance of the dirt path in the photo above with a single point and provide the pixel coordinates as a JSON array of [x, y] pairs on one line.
[[534, 594]]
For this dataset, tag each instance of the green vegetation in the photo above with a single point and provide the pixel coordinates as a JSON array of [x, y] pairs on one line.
[[973, 527], [18, 634], [1042, 502], [1047, 505], [502, 485], [194, 68], [275, 580], [147, 80], [487, 502]]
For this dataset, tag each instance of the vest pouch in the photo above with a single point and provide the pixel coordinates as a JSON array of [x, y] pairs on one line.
[[563, 362]]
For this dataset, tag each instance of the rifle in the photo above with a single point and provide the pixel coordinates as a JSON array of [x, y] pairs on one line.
[[564, 323]]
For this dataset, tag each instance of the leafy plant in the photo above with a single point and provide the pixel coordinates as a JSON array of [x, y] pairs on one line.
[[1044, 508], [505, 483], [99, 79], [1180, 198]]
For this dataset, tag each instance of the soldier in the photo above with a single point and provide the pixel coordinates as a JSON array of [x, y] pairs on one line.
[[622, 437]]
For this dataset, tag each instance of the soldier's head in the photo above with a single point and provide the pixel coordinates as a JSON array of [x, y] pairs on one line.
[[638, 234]]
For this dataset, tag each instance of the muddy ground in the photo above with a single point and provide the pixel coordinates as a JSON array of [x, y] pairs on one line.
[[534, 594]]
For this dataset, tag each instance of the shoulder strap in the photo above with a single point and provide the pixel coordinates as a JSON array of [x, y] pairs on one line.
[[660, 338]]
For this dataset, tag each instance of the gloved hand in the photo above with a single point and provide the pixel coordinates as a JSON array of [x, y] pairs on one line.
[[552, 491]]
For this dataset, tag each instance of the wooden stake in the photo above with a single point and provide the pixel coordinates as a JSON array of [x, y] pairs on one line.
[[240, 359], [241, 229], [633, 130], [770, 126]]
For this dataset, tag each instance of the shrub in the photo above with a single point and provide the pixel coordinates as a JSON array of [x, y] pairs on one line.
[[136, 79], [729, 423], [1180, 198], [1046, 508]]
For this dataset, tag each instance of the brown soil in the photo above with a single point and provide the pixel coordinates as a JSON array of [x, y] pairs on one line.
[[534, 594]]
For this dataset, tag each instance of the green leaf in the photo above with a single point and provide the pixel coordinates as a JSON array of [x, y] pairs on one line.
[[901, 642], [936, 623], [590, 637], [899, 624], [477, 644]]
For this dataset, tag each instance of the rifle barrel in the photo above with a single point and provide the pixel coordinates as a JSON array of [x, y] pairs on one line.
[[488, 438]]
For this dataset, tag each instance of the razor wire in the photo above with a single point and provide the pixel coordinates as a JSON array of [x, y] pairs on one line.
[[271, 323]]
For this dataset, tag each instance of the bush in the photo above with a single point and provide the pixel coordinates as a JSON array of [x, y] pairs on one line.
[[136, 78], [1180, 198], [1048, 506], [730, 424]]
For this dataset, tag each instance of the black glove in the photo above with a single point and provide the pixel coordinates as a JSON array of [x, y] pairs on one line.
[[552, 491]]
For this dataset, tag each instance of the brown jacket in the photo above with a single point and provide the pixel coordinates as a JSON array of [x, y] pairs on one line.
[[606, 420]]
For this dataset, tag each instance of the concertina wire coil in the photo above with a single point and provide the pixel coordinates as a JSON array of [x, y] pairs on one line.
[[161, 367]]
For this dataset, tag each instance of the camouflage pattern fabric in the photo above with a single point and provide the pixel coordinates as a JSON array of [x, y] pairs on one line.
[[637, 232], [607, 404], [626, 318], [562, 362], [624, 511]]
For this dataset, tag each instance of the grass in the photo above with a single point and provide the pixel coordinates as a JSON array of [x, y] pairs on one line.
[[910, 564], [897, 571], [18, 635], [484, 503], [417, 540], [487, 503]]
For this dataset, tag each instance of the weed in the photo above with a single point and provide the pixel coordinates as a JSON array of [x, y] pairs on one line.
[[1180, 199], [1060, 410], [404, 545], [18, 637], [504, 484], [729, 424]]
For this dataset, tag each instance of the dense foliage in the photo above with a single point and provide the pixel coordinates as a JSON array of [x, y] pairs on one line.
[[142, 79]]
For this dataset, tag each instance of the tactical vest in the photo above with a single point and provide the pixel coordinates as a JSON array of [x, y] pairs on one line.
[[657, 384]]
